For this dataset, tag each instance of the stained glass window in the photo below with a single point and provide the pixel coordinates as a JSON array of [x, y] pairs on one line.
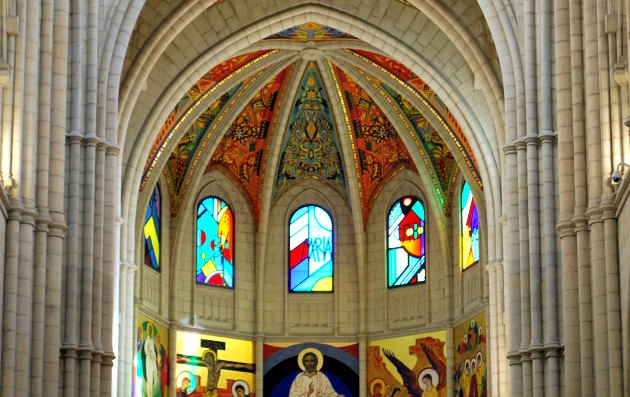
[[215, 243], [406, 253], [470, 229], [152, 226], [310, 250]]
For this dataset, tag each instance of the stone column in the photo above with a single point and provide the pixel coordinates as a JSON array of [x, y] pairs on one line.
[[512, 277], [524, 267]]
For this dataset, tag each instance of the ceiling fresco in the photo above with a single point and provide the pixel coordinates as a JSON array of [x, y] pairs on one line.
[[242, 153], [442, 160], [422, 90], [310, 141], [379, 152], [311, 146], [183, 161], [310, 32], [217, 76]]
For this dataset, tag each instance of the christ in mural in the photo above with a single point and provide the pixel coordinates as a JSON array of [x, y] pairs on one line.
[[311, 382]]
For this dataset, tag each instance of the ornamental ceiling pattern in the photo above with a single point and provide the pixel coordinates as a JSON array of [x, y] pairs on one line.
[[310, 32], [221, 73], [183, 161], [310, 142], [311, 148], [242, 153], [442, 159], [429, 97], [379, 152]]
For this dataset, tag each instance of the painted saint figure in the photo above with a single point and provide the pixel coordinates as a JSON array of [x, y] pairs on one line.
[[312, 382], [429, 389], [150, 363]]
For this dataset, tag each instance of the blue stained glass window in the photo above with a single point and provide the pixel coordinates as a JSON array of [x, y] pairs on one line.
[[406, 241], [215, 243], [311, 250], [152, 226]]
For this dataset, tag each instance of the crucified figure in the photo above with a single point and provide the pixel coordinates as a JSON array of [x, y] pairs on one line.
[[214, 366]]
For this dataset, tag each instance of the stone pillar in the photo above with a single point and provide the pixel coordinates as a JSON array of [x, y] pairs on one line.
[[512, 276]]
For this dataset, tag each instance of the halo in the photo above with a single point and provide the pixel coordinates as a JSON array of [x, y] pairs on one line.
[[467, 366], [473, 366], [203, 356], [242, 383], [479, 359], [320, 357], [432, 373], [377, 381], [191, 377]]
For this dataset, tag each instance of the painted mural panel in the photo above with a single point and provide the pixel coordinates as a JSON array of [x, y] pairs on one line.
[[212, 366], [150, 363], [408, 366], [311, 369], [470, 358]]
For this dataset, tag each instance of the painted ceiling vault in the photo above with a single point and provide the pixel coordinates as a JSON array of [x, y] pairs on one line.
[[279, 116]]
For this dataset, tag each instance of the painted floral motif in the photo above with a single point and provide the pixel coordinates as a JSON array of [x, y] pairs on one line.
[[403, 73], [242, 152], [310, 31], [441, 158], [201, 87], [310, 148], [380, 152]]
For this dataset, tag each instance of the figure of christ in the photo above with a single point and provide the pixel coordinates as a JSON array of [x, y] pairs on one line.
[[214, 366], [312, 382]]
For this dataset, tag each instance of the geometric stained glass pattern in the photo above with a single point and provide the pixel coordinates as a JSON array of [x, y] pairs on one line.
[[242, 152], [379, 151], [310, 250], [152, 226], [406, 242], [215, 243], [310, 31], [310, 147], [470, 229]]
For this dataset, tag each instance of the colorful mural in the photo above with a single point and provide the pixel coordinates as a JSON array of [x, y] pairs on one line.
[[242, 152], [442, 160], [406, 242], [379, 151], [311, 250], [408, 366], [179, 161], [212, 366], [330, 369], [184, 159], [152, 226], [469, 229], [433, 102], [223, 72], [150, 363], [310, 147], [310, 31], [215, 243], [470, 358]]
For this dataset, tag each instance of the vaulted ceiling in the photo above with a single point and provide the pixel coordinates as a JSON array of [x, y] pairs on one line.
[[311, 101]]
